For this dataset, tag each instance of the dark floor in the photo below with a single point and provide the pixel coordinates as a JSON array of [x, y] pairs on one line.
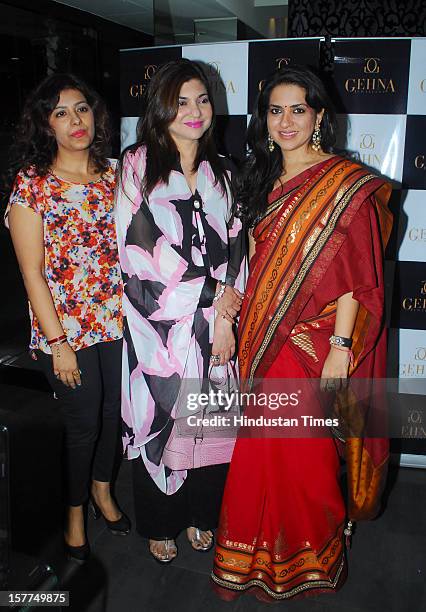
[[387, 565], [387, 562]]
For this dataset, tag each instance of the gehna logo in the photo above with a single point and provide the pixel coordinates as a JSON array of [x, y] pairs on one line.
[[367, 141], [282, 61], [150, 70], [371, 65]]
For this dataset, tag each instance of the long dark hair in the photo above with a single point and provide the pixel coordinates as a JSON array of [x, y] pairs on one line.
[[262, 168], [160, 107], [35, 144]]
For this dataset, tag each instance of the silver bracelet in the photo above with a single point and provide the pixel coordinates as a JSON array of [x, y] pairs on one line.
[[220, 293]]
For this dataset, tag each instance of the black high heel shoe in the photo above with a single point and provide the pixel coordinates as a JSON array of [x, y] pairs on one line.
[[80, 554], [119, 527]]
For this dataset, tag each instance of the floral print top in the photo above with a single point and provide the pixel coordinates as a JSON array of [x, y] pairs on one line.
[[81, 259]]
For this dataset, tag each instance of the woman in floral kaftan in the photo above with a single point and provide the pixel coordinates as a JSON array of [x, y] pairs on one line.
[[182, 265]]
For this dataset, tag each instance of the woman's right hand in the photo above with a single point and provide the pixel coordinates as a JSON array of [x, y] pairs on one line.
[[228, 306], [65, 365]]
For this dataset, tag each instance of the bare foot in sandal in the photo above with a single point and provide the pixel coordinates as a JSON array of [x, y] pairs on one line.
[[163, 551], [202, 541]]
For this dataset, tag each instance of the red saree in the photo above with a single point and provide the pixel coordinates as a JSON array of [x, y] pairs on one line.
[[283, 513]]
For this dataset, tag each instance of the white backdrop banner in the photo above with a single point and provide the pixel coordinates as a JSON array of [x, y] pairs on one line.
[[227, 70], [412, 226], [417, 85], [378, 141]]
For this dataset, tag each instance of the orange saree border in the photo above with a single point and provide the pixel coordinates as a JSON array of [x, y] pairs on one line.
[[303, 240], [238, 568]]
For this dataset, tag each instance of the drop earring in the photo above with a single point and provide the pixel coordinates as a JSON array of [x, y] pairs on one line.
[[271, 143], [316, 139]]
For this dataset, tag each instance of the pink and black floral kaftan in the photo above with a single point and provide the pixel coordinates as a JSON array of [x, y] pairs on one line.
[[164, 243]]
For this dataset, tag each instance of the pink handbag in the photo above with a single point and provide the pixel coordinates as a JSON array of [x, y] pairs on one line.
[[192, 446]]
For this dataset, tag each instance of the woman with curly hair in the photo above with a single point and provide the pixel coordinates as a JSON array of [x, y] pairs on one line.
[[60, 215]]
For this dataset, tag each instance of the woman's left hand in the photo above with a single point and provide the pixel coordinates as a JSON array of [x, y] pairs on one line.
[[223, 341], [228, 306], [335, 370]]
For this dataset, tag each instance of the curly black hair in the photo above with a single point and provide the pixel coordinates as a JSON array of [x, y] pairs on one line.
[[35, 145]]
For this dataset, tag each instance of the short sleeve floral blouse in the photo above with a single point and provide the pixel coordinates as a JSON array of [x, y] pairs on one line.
[[81, 260]]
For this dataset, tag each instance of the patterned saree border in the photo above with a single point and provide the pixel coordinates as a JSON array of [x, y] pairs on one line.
[[275, 205], [305, 586], [345, 197]]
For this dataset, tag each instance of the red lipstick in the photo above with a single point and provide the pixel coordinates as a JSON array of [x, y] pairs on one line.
[[79, 133]]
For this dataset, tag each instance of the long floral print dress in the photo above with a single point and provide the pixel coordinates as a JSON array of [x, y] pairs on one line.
[[173, 248]]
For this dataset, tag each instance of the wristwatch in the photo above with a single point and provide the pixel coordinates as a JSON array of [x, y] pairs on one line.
[[341, 341]]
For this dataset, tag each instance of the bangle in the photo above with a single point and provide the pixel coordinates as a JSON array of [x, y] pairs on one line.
[[340, 341], [220, 293], [57, 340]]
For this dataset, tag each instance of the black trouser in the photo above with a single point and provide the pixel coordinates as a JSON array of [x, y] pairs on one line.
[[91, 415], [196, 504]]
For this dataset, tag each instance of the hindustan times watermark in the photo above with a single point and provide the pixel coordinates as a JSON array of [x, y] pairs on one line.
[[260, 421]]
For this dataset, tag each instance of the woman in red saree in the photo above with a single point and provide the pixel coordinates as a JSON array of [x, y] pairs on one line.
[[313, 309]]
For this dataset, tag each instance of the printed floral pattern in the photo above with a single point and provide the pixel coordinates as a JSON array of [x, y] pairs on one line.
[[81, 259]]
